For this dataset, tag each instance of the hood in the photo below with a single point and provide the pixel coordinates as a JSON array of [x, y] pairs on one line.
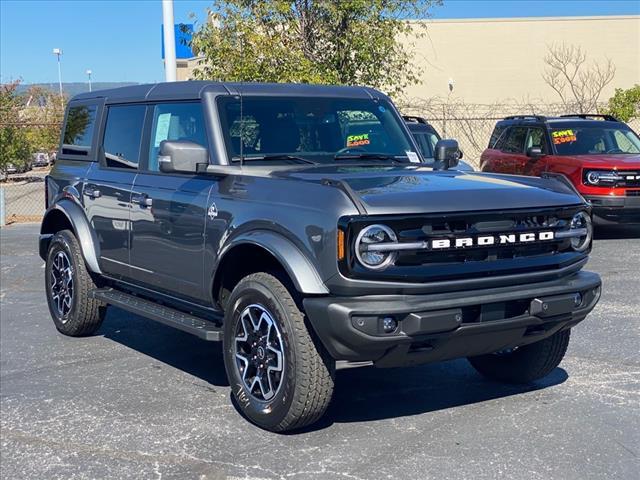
[[411, 189], [619, 161]]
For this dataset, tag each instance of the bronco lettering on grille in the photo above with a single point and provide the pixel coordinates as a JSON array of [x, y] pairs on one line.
[[488, 240]]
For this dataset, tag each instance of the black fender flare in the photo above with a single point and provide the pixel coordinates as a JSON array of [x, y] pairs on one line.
[[301, 270], [80, 224]]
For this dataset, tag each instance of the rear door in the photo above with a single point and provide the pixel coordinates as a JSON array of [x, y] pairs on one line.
[[107, 192], [168, 210]]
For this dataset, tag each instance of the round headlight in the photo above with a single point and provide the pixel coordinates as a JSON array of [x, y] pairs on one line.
[[581, 221], [370, 236], [593, 178]]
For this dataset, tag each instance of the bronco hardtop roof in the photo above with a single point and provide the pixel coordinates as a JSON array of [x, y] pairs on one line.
[[573, 118], [195, 89]]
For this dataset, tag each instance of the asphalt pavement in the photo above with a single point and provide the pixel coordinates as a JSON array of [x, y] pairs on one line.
[[141, 400]]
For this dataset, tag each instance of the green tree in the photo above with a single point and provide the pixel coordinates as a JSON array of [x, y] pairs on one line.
[[625, 104], [43, 112], [14, 144], [349, 42]]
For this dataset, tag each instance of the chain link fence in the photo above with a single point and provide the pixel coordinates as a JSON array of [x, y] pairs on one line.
[[470, 124], [22, 179]]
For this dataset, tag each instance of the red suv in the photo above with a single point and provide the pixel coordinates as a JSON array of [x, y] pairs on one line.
[[597, 153]]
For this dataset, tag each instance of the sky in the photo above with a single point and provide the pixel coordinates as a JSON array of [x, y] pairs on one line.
[[120, 40]]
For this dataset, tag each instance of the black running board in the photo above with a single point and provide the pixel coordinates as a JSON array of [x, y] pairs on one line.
[[197, 326]]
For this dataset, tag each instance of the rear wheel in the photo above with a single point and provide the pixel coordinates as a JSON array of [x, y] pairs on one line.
[[524, 364], [68, 285], [280, 375]]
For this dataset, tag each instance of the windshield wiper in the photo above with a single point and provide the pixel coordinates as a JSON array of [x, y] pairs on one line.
[[274, 157], [366, 156]]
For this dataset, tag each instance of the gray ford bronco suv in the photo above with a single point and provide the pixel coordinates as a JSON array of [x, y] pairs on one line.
[[300, 226]]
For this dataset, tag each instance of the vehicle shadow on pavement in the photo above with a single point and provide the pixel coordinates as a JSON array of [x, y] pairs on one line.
[[367, 394], [613, 232], [173, 347], [361, 394]]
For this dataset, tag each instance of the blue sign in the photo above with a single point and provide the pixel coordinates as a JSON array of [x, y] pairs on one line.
[[183, 33]]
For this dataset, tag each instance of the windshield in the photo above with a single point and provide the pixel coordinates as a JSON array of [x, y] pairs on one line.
[[594, 140], [313, 130]]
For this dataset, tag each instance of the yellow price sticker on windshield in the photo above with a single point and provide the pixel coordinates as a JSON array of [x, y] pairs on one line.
[[563, 136], [358, 140]]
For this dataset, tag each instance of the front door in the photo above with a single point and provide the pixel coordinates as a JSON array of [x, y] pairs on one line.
[[169, 210], [512, 152], [535, 166], [107, 192]]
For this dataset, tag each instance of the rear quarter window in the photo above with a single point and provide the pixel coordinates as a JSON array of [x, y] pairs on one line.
[[78, 130]]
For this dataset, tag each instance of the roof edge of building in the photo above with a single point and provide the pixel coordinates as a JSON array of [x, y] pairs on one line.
[[584, 18]]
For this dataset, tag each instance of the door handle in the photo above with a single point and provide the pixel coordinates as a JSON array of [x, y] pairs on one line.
[[143, 200], [92, 193]]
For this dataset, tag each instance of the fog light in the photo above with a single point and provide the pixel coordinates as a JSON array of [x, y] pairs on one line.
[[389, 324], [577, 299]]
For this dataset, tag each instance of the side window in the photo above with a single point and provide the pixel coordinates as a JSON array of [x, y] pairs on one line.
[[426, 142], [622, 142], [535, 138], [176, 121], [515, 139], [497, 132], [122, 135], [78, 131]]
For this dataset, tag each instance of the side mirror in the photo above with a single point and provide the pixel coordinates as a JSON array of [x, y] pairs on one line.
[[447, 154], [534, 152], [181, 156]]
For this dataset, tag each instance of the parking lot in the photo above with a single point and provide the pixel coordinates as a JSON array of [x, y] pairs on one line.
[[24, 196], [140, 400]]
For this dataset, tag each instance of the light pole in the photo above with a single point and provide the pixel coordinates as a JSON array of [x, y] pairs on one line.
[[88, 72], [169, 41], [58, 52], [445, 111]]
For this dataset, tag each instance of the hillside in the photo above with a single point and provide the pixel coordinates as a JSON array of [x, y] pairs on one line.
[[74, 88]]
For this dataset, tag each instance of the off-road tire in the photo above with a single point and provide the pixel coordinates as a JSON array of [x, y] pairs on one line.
[[306, 384], [86, 314], [526, 364]]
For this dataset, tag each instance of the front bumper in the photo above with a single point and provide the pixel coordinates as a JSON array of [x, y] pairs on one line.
[[449, 325], [615, 209]]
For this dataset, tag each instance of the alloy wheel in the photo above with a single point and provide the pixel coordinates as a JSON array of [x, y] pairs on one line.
[[259, 352], [62, 286]]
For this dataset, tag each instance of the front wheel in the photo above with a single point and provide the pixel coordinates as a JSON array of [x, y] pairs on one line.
[[280, 375], [68, 285], [524, 364]]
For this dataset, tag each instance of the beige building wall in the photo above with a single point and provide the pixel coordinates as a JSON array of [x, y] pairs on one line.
[[501, 60], [185, 67]]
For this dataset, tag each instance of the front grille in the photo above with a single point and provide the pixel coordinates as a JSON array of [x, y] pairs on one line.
[[481, 225], [426, 263], [631, 178]]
